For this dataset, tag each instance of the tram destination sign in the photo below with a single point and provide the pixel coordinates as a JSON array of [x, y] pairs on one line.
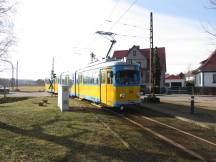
[[129, 68]]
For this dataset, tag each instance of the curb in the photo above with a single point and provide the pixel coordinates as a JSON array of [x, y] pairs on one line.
[[179, 117]]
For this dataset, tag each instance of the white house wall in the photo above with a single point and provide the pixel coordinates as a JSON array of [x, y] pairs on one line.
[[208, 79], [137, 58], [143, 61], [199, 80]]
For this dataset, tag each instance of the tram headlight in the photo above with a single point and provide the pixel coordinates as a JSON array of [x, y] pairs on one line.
[[122, 95]]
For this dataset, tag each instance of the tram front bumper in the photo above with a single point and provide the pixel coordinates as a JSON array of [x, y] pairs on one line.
[[119, 104]]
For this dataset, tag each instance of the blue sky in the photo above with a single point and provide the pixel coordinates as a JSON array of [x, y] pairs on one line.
[[192, 9], [66, 30]]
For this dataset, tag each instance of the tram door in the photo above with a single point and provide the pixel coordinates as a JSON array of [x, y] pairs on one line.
[[106, 86], [103, 87], [78, 85], [109, 87]]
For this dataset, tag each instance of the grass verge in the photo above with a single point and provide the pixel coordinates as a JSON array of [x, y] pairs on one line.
[[29, 132]]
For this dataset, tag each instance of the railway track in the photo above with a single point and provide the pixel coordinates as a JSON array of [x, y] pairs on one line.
[[195, 146]]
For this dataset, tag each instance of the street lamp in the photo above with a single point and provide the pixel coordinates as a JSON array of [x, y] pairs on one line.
[[12, 67]]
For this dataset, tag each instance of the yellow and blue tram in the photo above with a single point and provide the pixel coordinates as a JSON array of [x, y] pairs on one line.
[[51, 85], [112, 83]]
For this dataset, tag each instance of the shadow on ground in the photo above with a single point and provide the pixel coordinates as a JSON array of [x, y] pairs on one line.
[[12, 99], [200, 114], [90, 151]]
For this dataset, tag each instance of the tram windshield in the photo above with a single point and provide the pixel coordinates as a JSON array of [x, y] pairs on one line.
[[127, 77]]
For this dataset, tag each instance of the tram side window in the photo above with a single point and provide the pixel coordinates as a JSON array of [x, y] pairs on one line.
[[72, 79], [103, 77], [77, 80], [92, 78], [80, 79], [85, 79], [109, 77], [95, 76], [57, 80]]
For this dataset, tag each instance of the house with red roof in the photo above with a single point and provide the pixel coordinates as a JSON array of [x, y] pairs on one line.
[[205, 76], [174, 81], [141, 56]]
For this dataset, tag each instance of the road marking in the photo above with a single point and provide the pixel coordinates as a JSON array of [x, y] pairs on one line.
[[179, 130]]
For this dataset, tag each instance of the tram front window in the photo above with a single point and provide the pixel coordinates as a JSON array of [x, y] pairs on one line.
[[127, 77]]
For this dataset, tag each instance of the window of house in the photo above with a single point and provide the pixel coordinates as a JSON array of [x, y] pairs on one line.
[[134, 53], [167, 84], [214, 78], [129, 61], [199, 78]]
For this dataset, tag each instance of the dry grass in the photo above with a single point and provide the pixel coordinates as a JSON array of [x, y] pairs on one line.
[[31, 88], [29, 132]]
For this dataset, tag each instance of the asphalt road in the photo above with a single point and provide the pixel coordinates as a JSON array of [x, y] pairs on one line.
[[203, 101], [208, 102], [27, 94]]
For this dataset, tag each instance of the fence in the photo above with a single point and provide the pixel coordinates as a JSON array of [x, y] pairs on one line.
[[178, 90]]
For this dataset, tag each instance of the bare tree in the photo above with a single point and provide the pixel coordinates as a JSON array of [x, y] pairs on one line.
[[6, 30], [210, 29], [213, 3]]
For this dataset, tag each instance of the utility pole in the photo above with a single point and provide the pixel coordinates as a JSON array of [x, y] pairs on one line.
[[12, 80], [17, 76], [151, 98], [151, 52], [53, 75], [52, 71]]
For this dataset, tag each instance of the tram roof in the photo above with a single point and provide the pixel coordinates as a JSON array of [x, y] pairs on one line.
[[99, 65]]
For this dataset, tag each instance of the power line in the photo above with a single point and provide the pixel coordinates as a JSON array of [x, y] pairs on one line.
[[114, 8], [132, 36], [111, 13], [82, 48], [125, 24], [95, 39], [126, 11]]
